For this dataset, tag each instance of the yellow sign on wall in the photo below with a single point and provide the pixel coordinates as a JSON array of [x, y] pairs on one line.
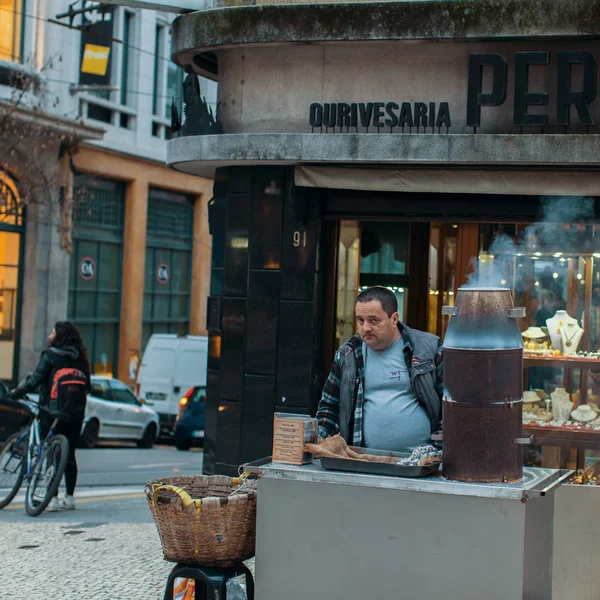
[[95, 59]]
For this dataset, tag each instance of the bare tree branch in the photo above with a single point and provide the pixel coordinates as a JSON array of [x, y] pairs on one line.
[[28, 141]]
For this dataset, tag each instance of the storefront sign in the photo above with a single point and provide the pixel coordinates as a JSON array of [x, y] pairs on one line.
[[566, 94], [87, 268], [163, 273], [96, 47], [380, 114]]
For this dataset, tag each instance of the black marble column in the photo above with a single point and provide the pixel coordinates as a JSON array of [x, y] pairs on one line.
[[263, 313]]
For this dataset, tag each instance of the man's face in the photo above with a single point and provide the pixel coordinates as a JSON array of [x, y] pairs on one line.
[[375, 327]]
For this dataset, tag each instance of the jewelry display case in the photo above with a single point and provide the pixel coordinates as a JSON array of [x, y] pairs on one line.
[[554, 271]]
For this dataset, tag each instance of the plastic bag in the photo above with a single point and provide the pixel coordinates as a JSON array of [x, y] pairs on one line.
[[185, 589], [235, 591]]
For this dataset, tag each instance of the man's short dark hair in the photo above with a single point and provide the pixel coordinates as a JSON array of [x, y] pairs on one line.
[[385, 297]]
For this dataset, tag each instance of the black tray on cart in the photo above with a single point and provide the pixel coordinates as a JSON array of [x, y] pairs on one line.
[[374, 468]]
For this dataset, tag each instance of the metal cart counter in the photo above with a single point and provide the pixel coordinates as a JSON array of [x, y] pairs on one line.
[[350, 536]]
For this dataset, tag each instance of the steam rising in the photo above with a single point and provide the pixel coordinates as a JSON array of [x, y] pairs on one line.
[[554, 233]]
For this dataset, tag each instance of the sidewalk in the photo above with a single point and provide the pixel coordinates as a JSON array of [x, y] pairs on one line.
[[82, 562]]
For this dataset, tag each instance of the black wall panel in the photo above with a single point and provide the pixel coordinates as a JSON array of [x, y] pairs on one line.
[[267, 219], [299, 244], [257, 417], [295, 353], [229, 430], [236, 245], [233, 339], [263, 306], [211, 422]]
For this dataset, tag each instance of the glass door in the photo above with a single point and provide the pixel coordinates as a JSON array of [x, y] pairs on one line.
[[370, 253]]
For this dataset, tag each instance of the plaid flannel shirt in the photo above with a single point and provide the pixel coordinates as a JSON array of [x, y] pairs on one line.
[[328, 411]]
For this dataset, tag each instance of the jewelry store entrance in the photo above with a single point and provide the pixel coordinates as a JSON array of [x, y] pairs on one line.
[[551, 264]]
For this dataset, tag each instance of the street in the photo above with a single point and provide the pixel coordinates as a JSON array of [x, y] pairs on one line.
[[110, 484], [106, 549]]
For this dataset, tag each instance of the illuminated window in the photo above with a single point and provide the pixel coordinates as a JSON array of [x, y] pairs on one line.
[[10, 247], [11, 29]]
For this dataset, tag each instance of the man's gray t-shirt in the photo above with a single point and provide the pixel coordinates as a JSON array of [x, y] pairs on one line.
[[393, 419]]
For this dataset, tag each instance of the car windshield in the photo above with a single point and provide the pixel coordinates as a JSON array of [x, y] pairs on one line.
[[198, 395]]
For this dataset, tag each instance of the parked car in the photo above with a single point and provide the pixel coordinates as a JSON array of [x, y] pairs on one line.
[[170, 365], [14, 415], [189, 427], [114, 413]]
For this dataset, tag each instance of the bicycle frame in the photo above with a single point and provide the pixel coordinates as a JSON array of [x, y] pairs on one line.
[[37, 446]]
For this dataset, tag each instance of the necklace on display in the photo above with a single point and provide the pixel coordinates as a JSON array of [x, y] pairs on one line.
[[559, 326], [568, 342]]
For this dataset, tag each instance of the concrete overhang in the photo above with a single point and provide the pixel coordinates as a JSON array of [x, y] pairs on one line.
[[200, 155], [227, 25]]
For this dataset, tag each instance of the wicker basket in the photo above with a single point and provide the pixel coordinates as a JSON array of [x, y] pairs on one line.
[[204, 520]]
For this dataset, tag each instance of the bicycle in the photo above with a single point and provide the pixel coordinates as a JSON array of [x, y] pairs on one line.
[[41, 463]]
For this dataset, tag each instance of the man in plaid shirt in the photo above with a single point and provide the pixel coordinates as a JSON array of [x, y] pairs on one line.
[[386, 383]]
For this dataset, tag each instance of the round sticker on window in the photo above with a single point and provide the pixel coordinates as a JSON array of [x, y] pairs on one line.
[[163, 273], [87, 268]]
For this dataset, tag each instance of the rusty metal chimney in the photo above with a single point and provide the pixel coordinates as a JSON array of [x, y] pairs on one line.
[[483, 387]]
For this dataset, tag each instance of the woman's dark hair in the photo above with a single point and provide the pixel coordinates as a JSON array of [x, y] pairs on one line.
[[385, 297], [68, 336]]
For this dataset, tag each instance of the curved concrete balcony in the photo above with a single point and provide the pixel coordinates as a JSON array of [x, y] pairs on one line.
[[200, 155], [226, 23]]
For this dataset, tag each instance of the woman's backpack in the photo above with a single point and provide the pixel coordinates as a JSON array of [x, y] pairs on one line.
[[68, 394]]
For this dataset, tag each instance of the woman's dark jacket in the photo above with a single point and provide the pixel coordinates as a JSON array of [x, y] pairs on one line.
[[51, 361]]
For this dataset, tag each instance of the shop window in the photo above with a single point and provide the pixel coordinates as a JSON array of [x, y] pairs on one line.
[[9, 285], [95, 271], [11, 228], [442, 274], [553, 270], [168, 264], [11, 30], [11, 209]]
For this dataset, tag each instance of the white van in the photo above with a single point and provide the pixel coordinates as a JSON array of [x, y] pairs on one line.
[[171, 365]]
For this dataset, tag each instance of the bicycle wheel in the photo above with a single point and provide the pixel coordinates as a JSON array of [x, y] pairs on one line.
[[13, 460], [46, 476]]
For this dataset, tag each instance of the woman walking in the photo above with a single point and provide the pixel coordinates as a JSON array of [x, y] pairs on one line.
[[63, 376]]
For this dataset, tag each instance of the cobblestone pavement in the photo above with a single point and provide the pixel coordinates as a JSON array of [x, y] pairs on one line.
[[66, 561]]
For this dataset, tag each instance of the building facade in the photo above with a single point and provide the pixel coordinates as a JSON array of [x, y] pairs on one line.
[[121, 245], [390, 143]]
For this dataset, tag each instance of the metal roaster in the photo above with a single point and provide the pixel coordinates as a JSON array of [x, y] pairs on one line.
[[483, 387]]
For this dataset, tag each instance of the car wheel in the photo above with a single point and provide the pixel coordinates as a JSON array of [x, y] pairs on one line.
[[89, 437], [183, 444], [149, 437]]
